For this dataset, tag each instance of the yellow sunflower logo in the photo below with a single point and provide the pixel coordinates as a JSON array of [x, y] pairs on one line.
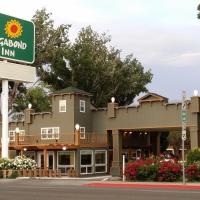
[[13, 29]]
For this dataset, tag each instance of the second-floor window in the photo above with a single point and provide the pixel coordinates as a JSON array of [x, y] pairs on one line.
[[82, 106], [12, 135], [62, 106], [82, 132], [50, 133]]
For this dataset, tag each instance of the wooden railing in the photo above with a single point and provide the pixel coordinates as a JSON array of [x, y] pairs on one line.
[[71, 139], [31, 173]]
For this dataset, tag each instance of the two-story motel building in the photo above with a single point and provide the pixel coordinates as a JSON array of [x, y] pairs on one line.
[[103, 134]]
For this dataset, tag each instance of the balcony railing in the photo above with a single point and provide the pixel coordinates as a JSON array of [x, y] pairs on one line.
[[64, 138]]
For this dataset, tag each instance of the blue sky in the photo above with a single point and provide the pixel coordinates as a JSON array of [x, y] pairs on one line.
[[162, 34]]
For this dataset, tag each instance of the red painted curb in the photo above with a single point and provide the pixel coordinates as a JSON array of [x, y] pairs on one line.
[[125, 185]]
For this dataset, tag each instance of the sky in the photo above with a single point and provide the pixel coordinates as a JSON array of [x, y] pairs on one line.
[[162, 34]]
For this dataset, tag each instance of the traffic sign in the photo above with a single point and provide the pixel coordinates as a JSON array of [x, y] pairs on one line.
[[17, 39], [184, 116]]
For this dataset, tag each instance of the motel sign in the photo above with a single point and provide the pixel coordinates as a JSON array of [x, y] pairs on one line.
[[17, 39]]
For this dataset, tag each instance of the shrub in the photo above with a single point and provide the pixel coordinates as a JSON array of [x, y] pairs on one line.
[[193, 156], [141, 170], [153, 170], [169, 171], [192, 171], [13, 175], [20, 162]]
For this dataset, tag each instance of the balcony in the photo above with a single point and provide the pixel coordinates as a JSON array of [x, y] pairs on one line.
[[68, 139]]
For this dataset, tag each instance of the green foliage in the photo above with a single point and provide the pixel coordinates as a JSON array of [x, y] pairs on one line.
[[193, 156], [92, 65], [14, 175], [198, 8], [37, 96]]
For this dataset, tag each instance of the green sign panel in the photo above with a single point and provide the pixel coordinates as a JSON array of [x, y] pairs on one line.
[[17, 39], [184, 116]]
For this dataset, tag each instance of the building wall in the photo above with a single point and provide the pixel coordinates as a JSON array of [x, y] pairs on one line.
[[84, 119]]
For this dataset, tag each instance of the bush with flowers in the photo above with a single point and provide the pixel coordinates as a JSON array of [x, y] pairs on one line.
[[142, 170], [153, 170], [192, 171], [20, 162], [169, 171]]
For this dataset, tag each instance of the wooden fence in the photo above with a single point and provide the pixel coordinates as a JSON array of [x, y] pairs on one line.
[[31, 173]]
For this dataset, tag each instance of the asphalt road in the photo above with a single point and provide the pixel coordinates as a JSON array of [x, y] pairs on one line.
[[75, 190]]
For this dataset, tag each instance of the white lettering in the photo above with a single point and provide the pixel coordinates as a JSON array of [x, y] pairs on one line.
[[11, 43], [7, 52]]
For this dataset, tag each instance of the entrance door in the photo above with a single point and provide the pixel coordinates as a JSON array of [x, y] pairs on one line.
[[40, 160], [50, 161]]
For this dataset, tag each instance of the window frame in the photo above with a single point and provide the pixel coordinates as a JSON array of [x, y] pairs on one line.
[[101, 164], [21, 135], [86, 152], [82, 133], [54, 134], [82, 106], [66, 167], [62, 103]]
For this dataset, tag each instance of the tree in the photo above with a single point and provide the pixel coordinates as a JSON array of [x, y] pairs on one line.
[[37, 96], [98, 69], [51, 43], [198, 14]]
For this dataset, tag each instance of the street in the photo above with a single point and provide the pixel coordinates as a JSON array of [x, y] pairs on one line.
[[79, 190]]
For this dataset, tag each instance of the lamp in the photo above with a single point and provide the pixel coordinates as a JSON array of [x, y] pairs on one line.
[[25, 149], [17, 130], [64, 148], [77, 126], [195, 92], [29, 105], [113, 99]]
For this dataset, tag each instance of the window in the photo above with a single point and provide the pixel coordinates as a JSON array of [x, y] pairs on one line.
[[62, 105], [82, 132], [12, 135], [66, 160], [82, 106], [50, 133], [86, 159], [21, 135], [100, 161]]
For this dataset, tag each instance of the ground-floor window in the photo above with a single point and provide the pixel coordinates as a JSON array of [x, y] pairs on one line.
[[86, 162], [93, 161], [100, 161], [66, 160]]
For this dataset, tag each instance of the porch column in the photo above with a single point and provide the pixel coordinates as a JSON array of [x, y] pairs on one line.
[[117, 153], [194, 137], [45, 161], [158, 144]]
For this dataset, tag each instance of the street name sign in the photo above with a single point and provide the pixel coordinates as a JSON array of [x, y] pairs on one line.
[[17, 39]]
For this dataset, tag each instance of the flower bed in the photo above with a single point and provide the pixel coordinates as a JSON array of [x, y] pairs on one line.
[[153, 170]]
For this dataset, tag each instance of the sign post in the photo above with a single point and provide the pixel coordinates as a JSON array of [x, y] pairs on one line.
[[17, 43], [184, 120]]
